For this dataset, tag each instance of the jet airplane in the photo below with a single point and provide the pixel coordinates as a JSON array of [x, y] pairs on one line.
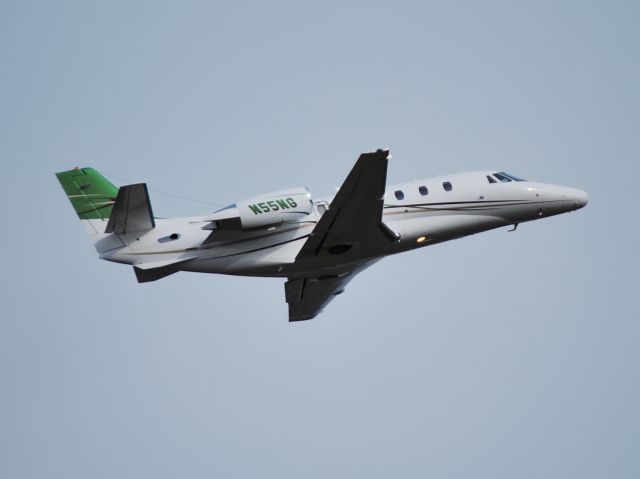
[[318, 245]]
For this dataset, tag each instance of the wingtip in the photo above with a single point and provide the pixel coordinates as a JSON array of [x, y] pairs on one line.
[[294, 318], [384, 152]]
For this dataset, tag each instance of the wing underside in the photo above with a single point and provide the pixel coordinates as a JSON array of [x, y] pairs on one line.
[[349, 237], [307, 297], [352, 227]]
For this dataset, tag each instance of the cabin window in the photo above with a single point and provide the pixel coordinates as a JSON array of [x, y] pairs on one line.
[[399, 195], [423, 190], [447, 186], [491, 179], [501, 177]]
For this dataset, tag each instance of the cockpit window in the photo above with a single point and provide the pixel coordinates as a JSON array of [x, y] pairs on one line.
[[501, 177], [491, 179], [506, 177], [514, 178]]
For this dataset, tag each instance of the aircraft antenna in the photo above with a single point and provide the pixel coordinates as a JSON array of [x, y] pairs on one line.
[[166, 193]]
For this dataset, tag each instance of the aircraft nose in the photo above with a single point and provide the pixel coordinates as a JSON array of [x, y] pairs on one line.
[[579, 198]]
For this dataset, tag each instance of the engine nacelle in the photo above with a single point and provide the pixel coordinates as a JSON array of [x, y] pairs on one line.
[[273, 208]]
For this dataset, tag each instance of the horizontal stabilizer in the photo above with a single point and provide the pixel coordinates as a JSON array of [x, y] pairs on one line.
[[147, 272], [132, 211]]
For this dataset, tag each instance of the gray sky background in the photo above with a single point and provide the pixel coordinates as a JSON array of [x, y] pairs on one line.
[[501, 355]]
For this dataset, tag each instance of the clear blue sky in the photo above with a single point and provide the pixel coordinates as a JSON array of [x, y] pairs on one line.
[[508, 355]]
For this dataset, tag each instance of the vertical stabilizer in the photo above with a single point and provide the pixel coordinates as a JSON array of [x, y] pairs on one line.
[[92, 197], [91, 194]]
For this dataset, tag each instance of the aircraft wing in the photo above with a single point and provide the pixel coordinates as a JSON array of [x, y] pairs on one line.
[[349, 237], [307, 297], [352, 227]]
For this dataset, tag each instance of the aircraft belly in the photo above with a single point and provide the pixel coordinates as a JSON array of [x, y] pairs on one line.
[[263, 258], [439, 228], [275, 256]]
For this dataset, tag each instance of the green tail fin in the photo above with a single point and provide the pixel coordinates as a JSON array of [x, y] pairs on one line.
[[90, 193]]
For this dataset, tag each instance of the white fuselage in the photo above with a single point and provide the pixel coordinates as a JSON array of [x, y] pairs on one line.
[[472, 205]]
